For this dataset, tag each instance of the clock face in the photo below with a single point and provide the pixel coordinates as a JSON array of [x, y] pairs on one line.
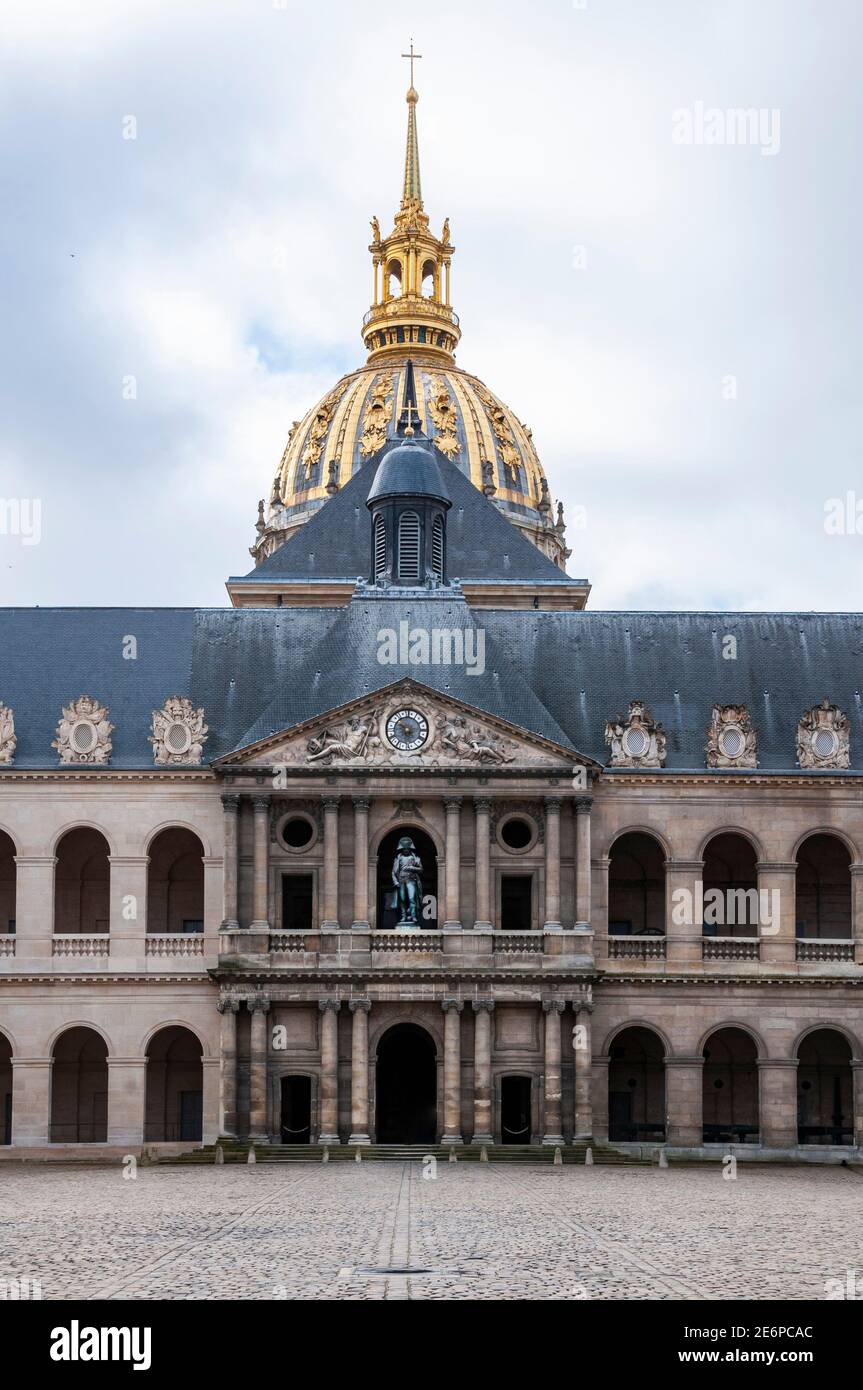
[[407, 730]]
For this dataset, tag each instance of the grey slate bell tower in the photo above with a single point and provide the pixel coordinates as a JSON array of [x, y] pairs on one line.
[[408, 501]]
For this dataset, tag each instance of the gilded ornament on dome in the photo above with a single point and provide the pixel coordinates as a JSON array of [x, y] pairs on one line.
[[442, 410], [320, 427], [506, 445], [378, 414]]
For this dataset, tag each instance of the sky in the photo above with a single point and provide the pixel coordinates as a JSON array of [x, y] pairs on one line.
[[671, 301]]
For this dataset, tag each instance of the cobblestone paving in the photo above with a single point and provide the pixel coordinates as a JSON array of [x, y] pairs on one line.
[[384, 1231]]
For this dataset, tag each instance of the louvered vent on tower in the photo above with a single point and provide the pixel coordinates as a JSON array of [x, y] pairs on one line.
[[380, 547], [409, 546], [437, 547]]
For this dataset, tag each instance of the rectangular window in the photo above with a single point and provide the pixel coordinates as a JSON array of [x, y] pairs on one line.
[[620, 928], [515, 902], [297, 899], [192, 925]]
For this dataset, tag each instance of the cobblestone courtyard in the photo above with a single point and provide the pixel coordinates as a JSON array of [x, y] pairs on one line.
[[474, 1231]]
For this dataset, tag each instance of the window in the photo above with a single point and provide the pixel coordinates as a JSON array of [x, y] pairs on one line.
[[297, 899], [515, 902], [380, 546], [409, 546], [191, 925]]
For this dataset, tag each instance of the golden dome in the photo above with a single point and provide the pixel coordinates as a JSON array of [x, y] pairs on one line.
[[411, 319]]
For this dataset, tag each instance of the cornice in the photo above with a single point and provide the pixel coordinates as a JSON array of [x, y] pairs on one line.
[[107, 774]]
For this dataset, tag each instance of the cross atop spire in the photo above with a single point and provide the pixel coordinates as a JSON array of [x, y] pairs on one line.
[[412, 56], [412, 191]]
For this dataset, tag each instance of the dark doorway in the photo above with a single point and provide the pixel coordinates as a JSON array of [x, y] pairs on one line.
[[388, 912], [636, 1087], [296, 1109], [406, 1086], [191, 1116], [515, 902], [515, 1110], [175, 1082], [297, 902]]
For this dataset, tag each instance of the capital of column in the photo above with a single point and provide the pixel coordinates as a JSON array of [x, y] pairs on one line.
[[228, 1005], [363, 1005], [261, 803], [452, 803], [553, 803], [325, 1004], [231, 803], [553, 1006], [483, 1006], [582, 1006], [583, 805], [452, 1005], [258, 1005], [330, 802], [362, 803], [483, 804]]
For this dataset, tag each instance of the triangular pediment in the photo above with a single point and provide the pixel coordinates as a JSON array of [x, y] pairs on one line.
[[368, 733]]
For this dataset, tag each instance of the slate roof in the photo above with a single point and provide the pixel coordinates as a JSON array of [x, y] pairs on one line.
[[557, 674], [335, 543]]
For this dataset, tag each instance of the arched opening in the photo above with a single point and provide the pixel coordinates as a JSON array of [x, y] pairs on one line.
[[175, 1086], [824, 888], [296, 1123], [636, 1087], [429, 278], [730, 1088], [406, 1086], [393, 279], [636, 886], [515, 1113], [175, 882], [7, 884], [389, 911], [79, 1088], [409, 534], [82, 878], [5, 1090], [730, 880], [825, 1095]]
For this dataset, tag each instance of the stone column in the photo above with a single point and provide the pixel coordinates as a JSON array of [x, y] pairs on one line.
[[34, 906], [778, 937], [601, 1067], [482, 807], [583, 1057], [259, 1007], [583, 806], [857, 1076], [229, 1009], [211, 1067], [361, 863], [683, 923], [552, 864], [330, 913], [777, 1102], [599, 906], [553, 1008], [683, 1103], [31, 1101], [452, 1071], [230, 873], [482, 1117], [452, 921], [857, 911], [329, 1110], [260, 880], [127, 1088], [360, 1071], [128, 906]]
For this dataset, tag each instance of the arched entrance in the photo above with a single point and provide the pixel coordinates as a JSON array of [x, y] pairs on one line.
[[79, 1088], [387, 910], [175, 882], [175, 1087], [5, 1090], [82, 882], [636, 1087], [406, 1086], [825, 1105], [730, 1088], [823, 892], [636, 886]]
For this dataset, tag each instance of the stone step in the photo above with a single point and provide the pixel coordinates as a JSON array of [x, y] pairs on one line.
[[236, 1151]]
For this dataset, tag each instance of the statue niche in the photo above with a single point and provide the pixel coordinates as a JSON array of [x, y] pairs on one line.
[[407, 881]]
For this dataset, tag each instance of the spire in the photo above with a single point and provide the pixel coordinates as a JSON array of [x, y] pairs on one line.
[[412, 192]]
